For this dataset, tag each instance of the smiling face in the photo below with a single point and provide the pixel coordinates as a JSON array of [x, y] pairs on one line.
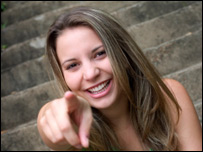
[[86, 66]]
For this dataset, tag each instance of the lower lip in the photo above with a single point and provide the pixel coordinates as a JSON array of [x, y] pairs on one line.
[[103, 93]]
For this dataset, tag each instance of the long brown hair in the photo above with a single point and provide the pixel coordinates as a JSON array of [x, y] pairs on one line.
[[140, 81]]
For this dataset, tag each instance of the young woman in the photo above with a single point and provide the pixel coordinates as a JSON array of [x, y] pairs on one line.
[[113, 97]]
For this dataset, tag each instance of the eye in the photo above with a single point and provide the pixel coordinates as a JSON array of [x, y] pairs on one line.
[[100, 54], [71, 66]]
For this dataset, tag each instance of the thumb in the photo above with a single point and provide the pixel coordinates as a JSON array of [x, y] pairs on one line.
[[84, 129]]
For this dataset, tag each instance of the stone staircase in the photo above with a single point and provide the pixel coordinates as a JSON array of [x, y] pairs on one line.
[[169, 32]]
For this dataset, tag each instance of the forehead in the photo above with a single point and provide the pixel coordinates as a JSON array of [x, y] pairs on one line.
[[77, 31], [80, 38], [77, 35]]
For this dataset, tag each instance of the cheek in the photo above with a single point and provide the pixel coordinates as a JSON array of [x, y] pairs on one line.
[[107, 66], [73, 81]]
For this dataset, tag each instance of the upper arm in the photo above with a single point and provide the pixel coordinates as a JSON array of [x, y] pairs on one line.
[[188, 128]]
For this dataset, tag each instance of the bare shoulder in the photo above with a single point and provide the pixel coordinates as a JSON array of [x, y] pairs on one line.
[[176, 87], [188, 128]]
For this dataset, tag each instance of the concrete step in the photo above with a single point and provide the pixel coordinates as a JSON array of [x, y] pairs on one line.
[[34, 72], [163, 57], [30, 9], [21, 107], [169, 26], [13, 4], [191, 78], [33, 27], [34, 48], [23, 138], [198, 107], [26, 137], [177, 54], [25, 51], [147, 10], [38, 25], [23, 76], [23, 11]]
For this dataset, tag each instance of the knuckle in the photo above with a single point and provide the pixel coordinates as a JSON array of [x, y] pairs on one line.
[[73, 141], [58, 139], [54, 103], [42, 121], [47, 112], [65, 128], [53, 140]]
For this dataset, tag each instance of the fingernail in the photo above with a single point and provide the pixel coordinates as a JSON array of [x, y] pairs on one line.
[[78, 147], [86, 142]]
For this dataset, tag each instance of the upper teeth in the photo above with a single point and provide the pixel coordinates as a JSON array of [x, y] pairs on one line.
[[99, 87]]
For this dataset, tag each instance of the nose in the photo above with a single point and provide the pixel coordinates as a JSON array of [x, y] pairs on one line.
[[90, 71]]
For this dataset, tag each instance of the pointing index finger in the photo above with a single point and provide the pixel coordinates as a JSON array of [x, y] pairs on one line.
[[72, 101]]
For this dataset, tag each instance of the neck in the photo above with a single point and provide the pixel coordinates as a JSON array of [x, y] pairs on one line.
[[118, 114]]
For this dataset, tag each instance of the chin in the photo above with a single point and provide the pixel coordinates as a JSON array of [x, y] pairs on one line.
[[103, 103]]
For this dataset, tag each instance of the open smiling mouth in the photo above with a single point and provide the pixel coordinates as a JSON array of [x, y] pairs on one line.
[[100, 90]]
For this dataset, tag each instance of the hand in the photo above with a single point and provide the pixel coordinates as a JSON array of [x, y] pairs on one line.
[[63, 116]]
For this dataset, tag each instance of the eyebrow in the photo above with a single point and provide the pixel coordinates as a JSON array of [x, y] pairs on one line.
[[72, 59]]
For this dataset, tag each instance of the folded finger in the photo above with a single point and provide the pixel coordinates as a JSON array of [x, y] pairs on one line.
[[58, 136], [46, 129], [64, 122]]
